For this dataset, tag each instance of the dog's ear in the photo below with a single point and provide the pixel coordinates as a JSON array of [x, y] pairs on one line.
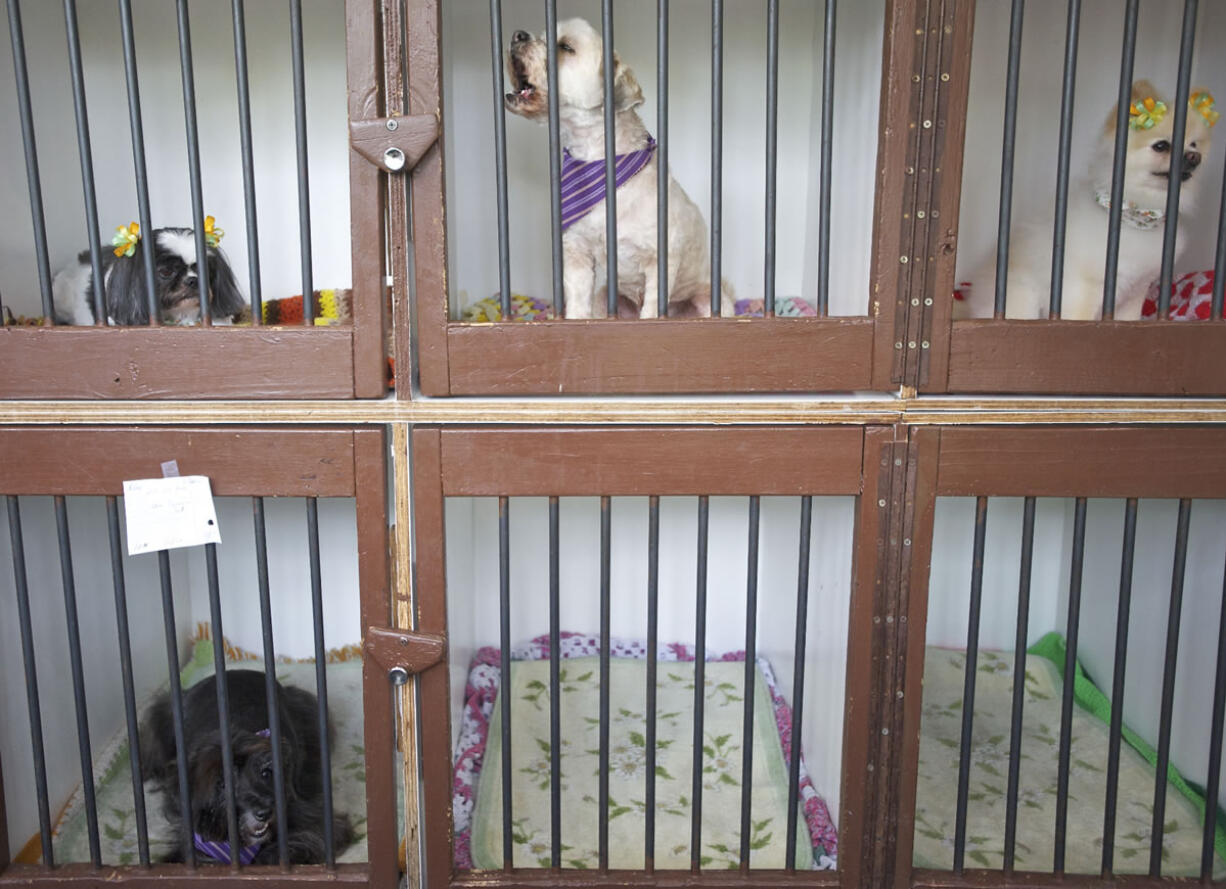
[[627, 93], [127, 296], [227, 299], [1143, 89], [204, 766]]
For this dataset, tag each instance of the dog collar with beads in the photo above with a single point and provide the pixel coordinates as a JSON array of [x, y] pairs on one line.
[[1134, 216], [219, 850], [583, 182]]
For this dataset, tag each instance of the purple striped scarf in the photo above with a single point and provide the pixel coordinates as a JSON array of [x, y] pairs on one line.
[[583, 181], [219, 850]]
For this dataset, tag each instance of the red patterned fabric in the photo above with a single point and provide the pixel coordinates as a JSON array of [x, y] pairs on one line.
[[1191, 298]]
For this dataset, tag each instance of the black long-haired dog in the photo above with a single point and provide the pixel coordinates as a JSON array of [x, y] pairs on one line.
[[176, 277], [253, 772]]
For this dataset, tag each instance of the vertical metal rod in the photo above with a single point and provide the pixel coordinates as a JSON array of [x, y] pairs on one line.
[[244, 124], [751, 667], [222, 681], [968, 688], [193, 160], [1006, 155], [661, 158], [827, 148], [1168, 688], [610, 157], [29, 144], [1117, 684], [78, 679], [717, 150], [772, 152], [304, 183], [700, 693], [1128, 57], [1213, 784], [270, 676], [1070, 667], [653, 626], [606, 547], [77, 72], [798, 676], [138, 159], [504, 625], [176, 702], [1019, 681], [555, 154], [500, 161], [1174, 180], [1219, 257], [1071, 37], [321, 678], [555, 686], [129, 690], [34, 708]]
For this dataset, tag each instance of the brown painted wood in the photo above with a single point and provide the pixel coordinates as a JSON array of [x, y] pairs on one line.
[[413, 135], [374, 578], [176, 362], [1077, 357], [178, 876], [1106, 461], [660, 879], [412, 652], [255, 462], [433, 689], [364, 64], [660, 356], [659, 460], [423, 47]]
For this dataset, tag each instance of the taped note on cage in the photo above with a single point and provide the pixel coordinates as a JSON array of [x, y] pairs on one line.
[[169, 513]]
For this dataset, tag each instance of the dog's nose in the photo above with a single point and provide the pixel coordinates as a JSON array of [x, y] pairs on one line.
[[1191, 160], [520, 37], [190, 281], [264, 815]]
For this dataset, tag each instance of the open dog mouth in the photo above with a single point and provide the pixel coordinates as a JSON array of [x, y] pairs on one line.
[[258, 833], [1184, 175], [524, 88]]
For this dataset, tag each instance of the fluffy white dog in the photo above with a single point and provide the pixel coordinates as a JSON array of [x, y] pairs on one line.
[[1146, 174], [581, 106]]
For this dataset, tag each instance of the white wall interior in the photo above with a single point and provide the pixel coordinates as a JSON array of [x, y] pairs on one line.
[[469, 144], [1038, 111], [472, 580], [272, 122], [949, 597], [290, 590]]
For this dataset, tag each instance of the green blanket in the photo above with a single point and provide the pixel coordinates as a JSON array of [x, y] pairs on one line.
[[721, 807], [937, 787]]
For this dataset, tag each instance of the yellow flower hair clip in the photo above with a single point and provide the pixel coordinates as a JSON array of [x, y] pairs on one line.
[[212, 234], [1144, 115], [1202, 104], [126, 239]]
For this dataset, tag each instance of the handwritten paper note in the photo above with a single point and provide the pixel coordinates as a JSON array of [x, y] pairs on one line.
[[169, 513]]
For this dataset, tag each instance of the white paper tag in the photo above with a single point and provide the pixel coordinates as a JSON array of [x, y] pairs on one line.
[[169, 513]]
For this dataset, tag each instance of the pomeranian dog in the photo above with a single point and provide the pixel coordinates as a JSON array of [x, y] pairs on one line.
[[253, 772], [1146, 176]]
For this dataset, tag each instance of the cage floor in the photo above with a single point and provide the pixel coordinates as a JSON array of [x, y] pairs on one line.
[[113, 776], [944, 671], [478, 778]]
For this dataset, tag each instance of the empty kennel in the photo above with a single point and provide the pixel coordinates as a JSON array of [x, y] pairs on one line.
[[1111, 288], [143, 116], [298, 584], [1098, 553], [632, 597]]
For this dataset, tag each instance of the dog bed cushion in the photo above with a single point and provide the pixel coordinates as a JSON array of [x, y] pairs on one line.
[[477, 790]]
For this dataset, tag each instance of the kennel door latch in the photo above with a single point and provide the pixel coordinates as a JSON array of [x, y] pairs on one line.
[[394, 144], [403, 652]]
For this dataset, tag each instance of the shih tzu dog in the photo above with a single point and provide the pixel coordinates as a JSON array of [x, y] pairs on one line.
[[176, 277], [251, 748], [581, 105], [1146, 175]]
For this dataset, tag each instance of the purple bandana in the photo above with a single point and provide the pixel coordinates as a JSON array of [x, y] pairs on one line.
[[583, 181], [219, 850]]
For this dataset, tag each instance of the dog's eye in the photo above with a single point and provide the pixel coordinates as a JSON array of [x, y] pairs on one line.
[[1161, 146], [565, 47], [266, 773], [165, 273]]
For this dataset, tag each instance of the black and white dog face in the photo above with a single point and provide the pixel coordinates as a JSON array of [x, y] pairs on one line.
[[176, 277]]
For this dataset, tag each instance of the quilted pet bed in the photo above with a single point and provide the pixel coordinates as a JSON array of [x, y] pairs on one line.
[[937, 789], [477, 801], [113, 777]]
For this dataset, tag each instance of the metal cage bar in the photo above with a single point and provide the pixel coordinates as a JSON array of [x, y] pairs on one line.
[[1115, 211], [772, 154], [661, 159], [653, 625], [193, 160], [968, 689], [1016, 16], [751, 667], [827, 149], [244, 124], [700, 664], [555, 686], [1019, 682], [1219, 257], [1066, 701], [321, 679], [304, 185], [606, 543], [610, 156], [717, 151], [1123, 610], [798, 676], [500, 158], [176, 702], [222, 681], [1170, 231], [136, 126], [555, 155], [1067, 100], [270, 676], [504, 625], [1213, 780]]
